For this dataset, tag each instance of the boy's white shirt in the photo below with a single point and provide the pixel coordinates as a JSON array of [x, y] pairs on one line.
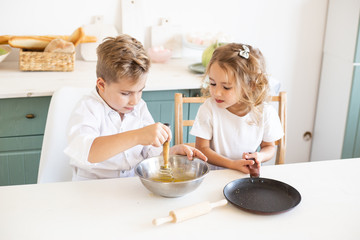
[[92, 118], [231, 135]]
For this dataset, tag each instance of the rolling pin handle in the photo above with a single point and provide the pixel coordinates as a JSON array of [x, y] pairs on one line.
[[159, 221], [220, 203]]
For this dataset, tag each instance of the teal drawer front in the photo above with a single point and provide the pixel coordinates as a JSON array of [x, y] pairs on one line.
[[14, 120], [10, 144]]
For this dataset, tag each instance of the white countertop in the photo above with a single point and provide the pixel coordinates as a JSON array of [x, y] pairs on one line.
[[15, 83], [124, 208]]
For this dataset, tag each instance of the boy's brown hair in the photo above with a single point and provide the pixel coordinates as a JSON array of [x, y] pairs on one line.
[[121, 57]]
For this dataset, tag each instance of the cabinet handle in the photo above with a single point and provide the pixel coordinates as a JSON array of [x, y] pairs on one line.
[[30, 116]]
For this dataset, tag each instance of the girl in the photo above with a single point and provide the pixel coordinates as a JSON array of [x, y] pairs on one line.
[[236, 119]]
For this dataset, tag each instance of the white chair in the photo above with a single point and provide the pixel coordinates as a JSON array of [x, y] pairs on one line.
[[54, 164]]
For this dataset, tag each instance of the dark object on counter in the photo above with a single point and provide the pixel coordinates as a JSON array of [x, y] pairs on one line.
[[262, 195]]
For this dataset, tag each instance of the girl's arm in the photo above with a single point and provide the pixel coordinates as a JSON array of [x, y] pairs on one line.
[[216, 159], [267, 151]]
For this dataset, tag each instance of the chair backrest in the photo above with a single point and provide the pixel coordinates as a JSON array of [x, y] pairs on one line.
[[180, 123], [54, 164]]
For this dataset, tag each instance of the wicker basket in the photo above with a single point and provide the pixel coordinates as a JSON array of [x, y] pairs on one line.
[[46, 61]]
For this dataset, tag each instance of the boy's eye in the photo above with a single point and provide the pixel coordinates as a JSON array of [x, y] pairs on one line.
[[125, 93]]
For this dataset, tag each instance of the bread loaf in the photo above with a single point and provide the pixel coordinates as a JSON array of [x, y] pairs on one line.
[[31, 43], [77, 36], [59, 45]]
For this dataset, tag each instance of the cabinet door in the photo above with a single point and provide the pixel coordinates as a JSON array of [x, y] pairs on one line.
[[22, 124], [19, 168], [351, 146], [19, 159]]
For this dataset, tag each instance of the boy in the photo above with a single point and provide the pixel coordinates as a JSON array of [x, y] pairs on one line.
[[111, 129]]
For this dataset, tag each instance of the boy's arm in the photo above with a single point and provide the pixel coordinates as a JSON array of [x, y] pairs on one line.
[[105, 147]]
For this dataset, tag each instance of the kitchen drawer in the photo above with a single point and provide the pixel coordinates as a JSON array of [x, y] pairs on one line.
[[23, 116], [10, 144]]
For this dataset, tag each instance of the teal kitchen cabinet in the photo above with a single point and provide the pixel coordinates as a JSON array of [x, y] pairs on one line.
[[161, 107], [351, 146], [22, 124]]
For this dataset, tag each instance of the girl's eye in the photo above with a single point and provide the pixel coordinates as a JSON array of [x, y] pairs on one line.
[[227, 88], [212, 84]]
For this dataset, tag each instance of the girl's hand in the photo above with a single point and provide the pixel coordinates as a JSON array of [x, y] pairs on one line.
[[242, 165], [155, 134], [190, 152], [256, 158]]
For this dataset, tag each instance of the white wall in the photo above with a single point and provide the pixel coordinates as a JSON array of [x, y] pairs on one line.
[[289, 33]]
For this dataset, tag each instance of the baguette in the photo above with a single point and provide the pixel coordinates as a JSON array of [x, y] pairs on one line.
[[31, 43], [85, 39], [76, 36], [39, 41], [4, 39]]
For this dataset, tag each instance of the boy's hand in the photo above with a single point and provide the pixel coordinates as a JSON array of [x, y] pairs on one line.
[[190, 152], [155, 134]]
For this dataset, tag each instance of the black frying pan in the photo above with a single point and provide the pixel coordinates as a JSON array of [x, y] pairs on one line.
[[261, 195]]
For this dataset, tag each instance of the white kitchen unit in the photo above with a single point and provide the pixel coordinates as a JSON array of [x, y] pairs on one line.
[[336, 80]]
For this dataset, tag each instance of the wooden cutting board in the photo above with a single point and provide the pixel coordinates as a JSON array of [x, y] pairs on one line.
[[101, 31]]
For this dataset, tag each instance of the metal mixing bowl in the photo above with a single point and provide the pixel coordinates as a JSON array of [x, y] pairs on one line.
[[182, 168]]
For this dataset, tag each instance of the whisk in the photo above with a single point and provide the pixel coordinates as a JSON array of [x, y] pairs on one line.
[[165, 173]]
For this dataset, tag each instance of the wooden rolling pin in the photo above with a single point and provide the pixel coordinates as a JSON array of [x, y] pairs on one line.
[[186, 213]]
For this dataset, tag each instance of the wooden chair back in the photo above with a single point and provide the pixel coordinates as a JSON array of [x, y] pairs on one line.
[[180, 122]]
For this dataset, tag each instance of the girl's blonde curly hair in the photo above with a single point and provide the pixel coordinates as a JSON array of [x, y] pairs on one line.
[[251, 80]]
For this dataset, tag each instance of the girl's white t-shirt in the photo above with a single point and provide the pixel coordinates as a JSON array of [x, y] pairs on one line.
[[92, 118], [231, 135]]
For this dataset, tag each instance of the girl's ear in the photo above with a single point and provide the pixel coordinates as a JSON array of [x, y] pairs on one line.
[[100, 84]]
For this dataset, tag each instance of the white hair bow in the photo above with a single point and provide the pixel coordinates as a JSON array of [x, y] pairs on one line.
[[244, 53]]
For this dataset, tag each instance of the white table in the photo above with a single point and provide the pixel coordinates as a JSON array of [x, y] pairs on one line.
[[124, 209]]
